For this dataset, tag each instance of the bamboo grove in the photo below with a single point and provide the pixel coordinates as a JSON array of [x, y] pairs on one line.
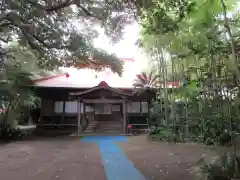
[[199, 41]]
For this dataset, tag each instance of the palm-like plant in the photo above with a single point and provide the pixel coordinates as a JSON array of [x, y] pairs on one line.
[[14, 89], [145, 80], [144, 84]]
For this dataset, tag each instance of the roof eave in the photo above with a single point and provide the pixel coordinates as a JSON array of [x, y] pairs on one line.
[[98, 88]]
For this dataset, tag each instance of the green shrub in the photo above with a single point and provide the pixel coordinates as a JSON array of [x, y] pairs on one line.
[[226, 167], [10, 134], [166, 134], [217, 131]]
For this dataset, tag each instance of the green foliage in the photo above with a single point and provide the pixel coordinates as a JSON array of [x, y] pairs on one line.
[[194, 34], [202, 38], [23, 57], [144, 84], [216, 131], [167, 134], [190, 88], [30, 100], [225, 167], [10, 134], [14, 89], [146, 80], [155, 113], [212, 127]]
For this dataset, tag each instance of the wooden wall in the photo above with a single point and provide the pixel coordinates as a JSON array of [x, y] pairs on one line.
[[47, 107], [50, 95]]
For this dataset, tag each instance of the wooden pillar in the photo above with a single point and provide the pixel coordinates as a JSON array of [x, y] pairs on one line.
[[125, 116], [40, 120], [79, 116], [84, 117], [63, 114], [94, 114]]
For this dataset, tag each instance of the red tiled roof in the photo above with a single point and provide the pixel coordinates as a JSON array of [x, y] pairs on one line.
[[80, 81], [48, 78]]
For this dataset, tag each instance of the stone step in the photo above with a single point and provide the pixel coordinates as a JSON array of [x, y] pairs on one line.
[[104, 127], [106, 131], [101, 126], [103, 133], [102, 130], [104, 124]]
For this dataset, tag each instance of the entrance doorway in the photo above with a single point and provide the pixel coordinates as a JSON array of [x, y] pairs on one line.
[[108, 117]]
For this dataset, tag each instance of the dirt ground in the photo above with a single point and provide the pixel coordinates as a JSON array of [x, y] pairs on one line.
[[70, 159], [165, 161], [50, 159]]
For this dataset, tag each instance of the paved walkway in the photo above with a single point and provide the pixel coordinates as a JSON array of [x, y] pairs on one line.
[[98, 158], [116, 164]]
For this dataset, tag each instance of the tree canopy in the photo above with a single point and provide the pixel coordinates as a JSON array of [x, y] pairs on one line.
[[62, 31], [194, 33]]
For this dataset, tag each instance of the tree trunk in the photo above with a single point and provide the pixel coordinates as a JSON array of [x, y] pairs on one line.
[[165, 88], [233, 45]]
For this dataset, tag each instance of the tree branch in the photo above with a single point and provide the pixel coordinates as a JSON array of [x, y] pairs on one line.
[[30, 41], [51, 8], [62, 5], [4, 16], [88, 13], [132, 9], [58, 6], [5, 24], [49, 46], [3, 40]]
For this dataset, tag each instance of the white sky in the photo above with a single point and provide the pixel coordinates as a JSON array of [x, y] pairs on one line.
[[126, 48]]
